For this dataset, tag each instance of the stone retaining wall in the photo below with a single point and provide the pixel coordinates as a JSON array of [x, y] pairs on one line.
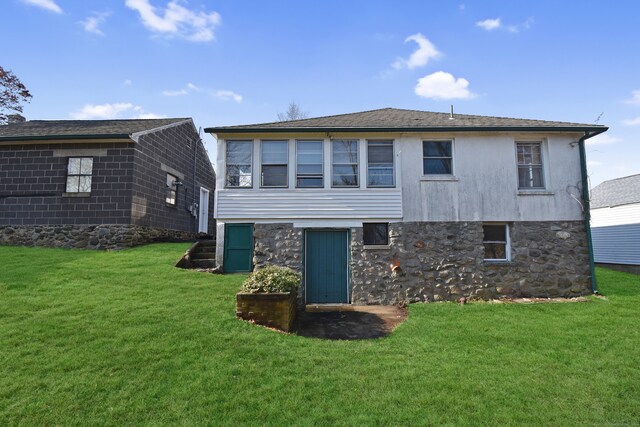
[[443, 261], [106, 236]]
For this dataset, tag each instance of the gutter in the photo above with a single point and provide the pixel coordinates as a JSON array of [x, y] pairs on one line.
[[595, 129], [49, 137], [585, 200]]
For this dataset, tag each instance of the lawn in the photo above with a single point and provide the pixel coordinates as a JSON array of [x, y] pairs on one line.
[[119, 338]]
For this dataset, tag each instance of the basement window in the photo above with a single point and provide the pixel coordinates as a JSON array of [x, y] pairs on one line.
[[496, 242], [375, 233], [79, 172]]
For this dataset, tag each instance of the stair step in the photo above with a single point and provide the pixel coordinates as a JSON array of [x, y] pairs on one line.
[[203, 263], [203, 255], [206, 243]]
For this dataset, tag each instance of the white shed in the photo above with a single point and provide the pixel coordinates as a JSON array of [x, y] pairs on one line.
[[615, 221]]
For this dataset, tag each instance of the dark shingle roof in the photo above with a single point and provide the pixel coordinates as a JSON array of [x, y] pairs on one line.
[[616, 192], [394, 119], [50, 129]]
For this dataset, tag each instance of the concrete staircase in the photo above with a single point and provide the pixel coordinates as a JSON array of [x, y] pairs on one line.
[[203, 255]]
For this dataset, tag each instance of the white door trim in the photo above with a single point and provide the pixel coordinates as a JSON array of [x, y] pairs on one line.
[[203, 212]]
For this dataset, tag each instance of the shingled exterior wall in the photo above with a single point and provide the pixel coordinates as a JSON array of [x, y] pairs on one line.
[[126, 205]]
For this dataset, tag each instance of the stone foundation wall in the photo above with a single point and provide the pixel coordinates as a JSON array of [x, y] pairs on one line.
[[444, 261], [277, 244], [106, 236]]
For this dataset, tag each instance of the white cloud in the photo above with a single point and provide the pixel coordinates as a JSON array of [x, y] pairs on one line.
[[45, 4], [602, 139], [224, 95], [442, 85], [632, 122], [174, 92], [489, 24], [426, 51], [227, 95], [177, 20], [635, 98], [127, 82], [122, 110], [91, 24], [497, 24]]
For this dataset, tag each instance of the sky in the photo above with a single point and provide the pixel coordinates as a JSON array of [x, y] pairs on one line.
[[241, 61]]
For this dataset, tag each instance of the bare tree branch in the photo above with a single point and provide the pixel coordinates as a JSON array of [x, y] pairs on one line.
[[12, 94], [294, 112]]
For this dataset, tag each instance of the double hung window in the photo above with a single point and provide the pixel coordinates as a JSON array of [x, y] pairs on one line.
[[344, 163], [309, 163], [239, 161], [437, 158], [79, 172], [380, 165], [529, 158], [275, 160]]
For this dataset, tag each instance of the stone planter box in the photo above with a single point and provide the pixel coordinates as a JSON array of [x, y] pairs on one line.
[[277, 310]]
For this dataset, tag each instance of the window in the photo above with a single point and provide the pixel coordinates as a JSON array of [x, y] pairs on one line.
[[380, 164], [529, 155], [345, 163], [375, 233], [496, 242], [79, 170], [275, 160], [309, 160], [239, 161], [437, 158], [172, 190]]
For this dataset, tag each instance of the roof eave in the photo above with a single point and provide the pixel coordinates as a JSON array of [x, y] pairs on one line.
[[596, 129], [62, 137]]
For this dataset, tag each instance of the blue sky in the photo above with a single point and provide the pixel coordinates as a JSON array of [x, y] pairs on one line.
[[238, 62]]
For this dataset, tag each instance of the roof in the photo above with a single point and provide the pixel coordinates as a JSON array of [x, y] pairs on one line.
[[395, 119], [74, 129], [616, 192]]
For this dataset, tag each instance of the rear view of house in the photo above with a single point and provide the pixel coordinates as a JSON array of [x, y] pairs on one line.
[[615, 213], [397, 205], [103, 183]]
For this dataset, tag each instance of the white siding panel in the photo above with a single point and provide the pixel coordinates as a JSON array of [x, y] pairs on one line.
[[309, 204], [618, 215], [617, 244]]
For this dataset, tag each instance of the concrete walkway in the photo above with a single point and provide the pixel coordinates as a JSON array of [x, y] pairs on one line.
[[349, 322]]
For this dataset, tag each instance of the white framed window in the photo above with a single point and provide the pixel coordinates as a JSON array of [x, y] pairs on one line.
[[437, 157], [344, 163], [380, 164], [239, 160], [530, 166], [275, 164], [79, 174], [496, 242], [172, 190], [309, 164]]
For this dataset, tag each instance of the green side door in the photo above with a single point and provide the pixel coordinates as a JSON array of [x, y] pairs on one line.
[[326, 266], [238, 248]]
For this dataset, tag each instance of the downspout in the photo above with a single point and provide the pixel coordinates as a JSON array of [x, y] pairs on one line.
[[587, 211], [193, 203]]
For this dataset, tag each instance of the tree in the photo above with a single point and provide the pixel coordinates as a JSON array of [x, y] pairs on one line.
[[12, 94], [294, 112]]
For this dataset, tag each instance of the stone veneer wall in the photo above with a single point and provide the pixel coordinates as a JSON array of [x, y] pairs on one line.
[[443, 261], [105, 236]]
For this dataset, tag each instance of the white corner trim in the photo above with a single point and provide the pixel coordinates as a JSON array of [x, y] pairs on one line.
[[136, 135]]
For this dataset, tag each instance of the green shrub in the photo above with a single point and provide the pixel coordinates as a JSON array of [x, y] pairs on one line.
[[272, 279]]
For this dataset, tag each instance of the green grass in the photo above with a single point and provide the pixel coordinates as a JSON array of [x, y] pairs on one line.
[[124, 338]]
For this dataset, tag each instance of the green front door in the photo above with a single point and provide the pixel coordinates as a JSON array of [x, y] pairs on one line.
[[326, 266], [238, 248]]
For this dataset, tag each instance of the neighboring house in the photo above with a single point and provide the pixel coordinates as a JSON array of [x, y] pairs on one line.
[[398, 205], [615, 221], [103, 183]]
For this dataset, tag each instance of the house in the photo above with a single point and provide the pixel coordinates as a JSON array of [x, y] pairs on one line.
[[103, 183], [615, 213], [392, 205]]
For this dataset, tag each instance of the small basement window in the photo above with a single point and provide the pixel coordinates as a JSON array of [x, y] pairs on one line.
[[375, 233], [172, 190], [79, 171], [496, 242]]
